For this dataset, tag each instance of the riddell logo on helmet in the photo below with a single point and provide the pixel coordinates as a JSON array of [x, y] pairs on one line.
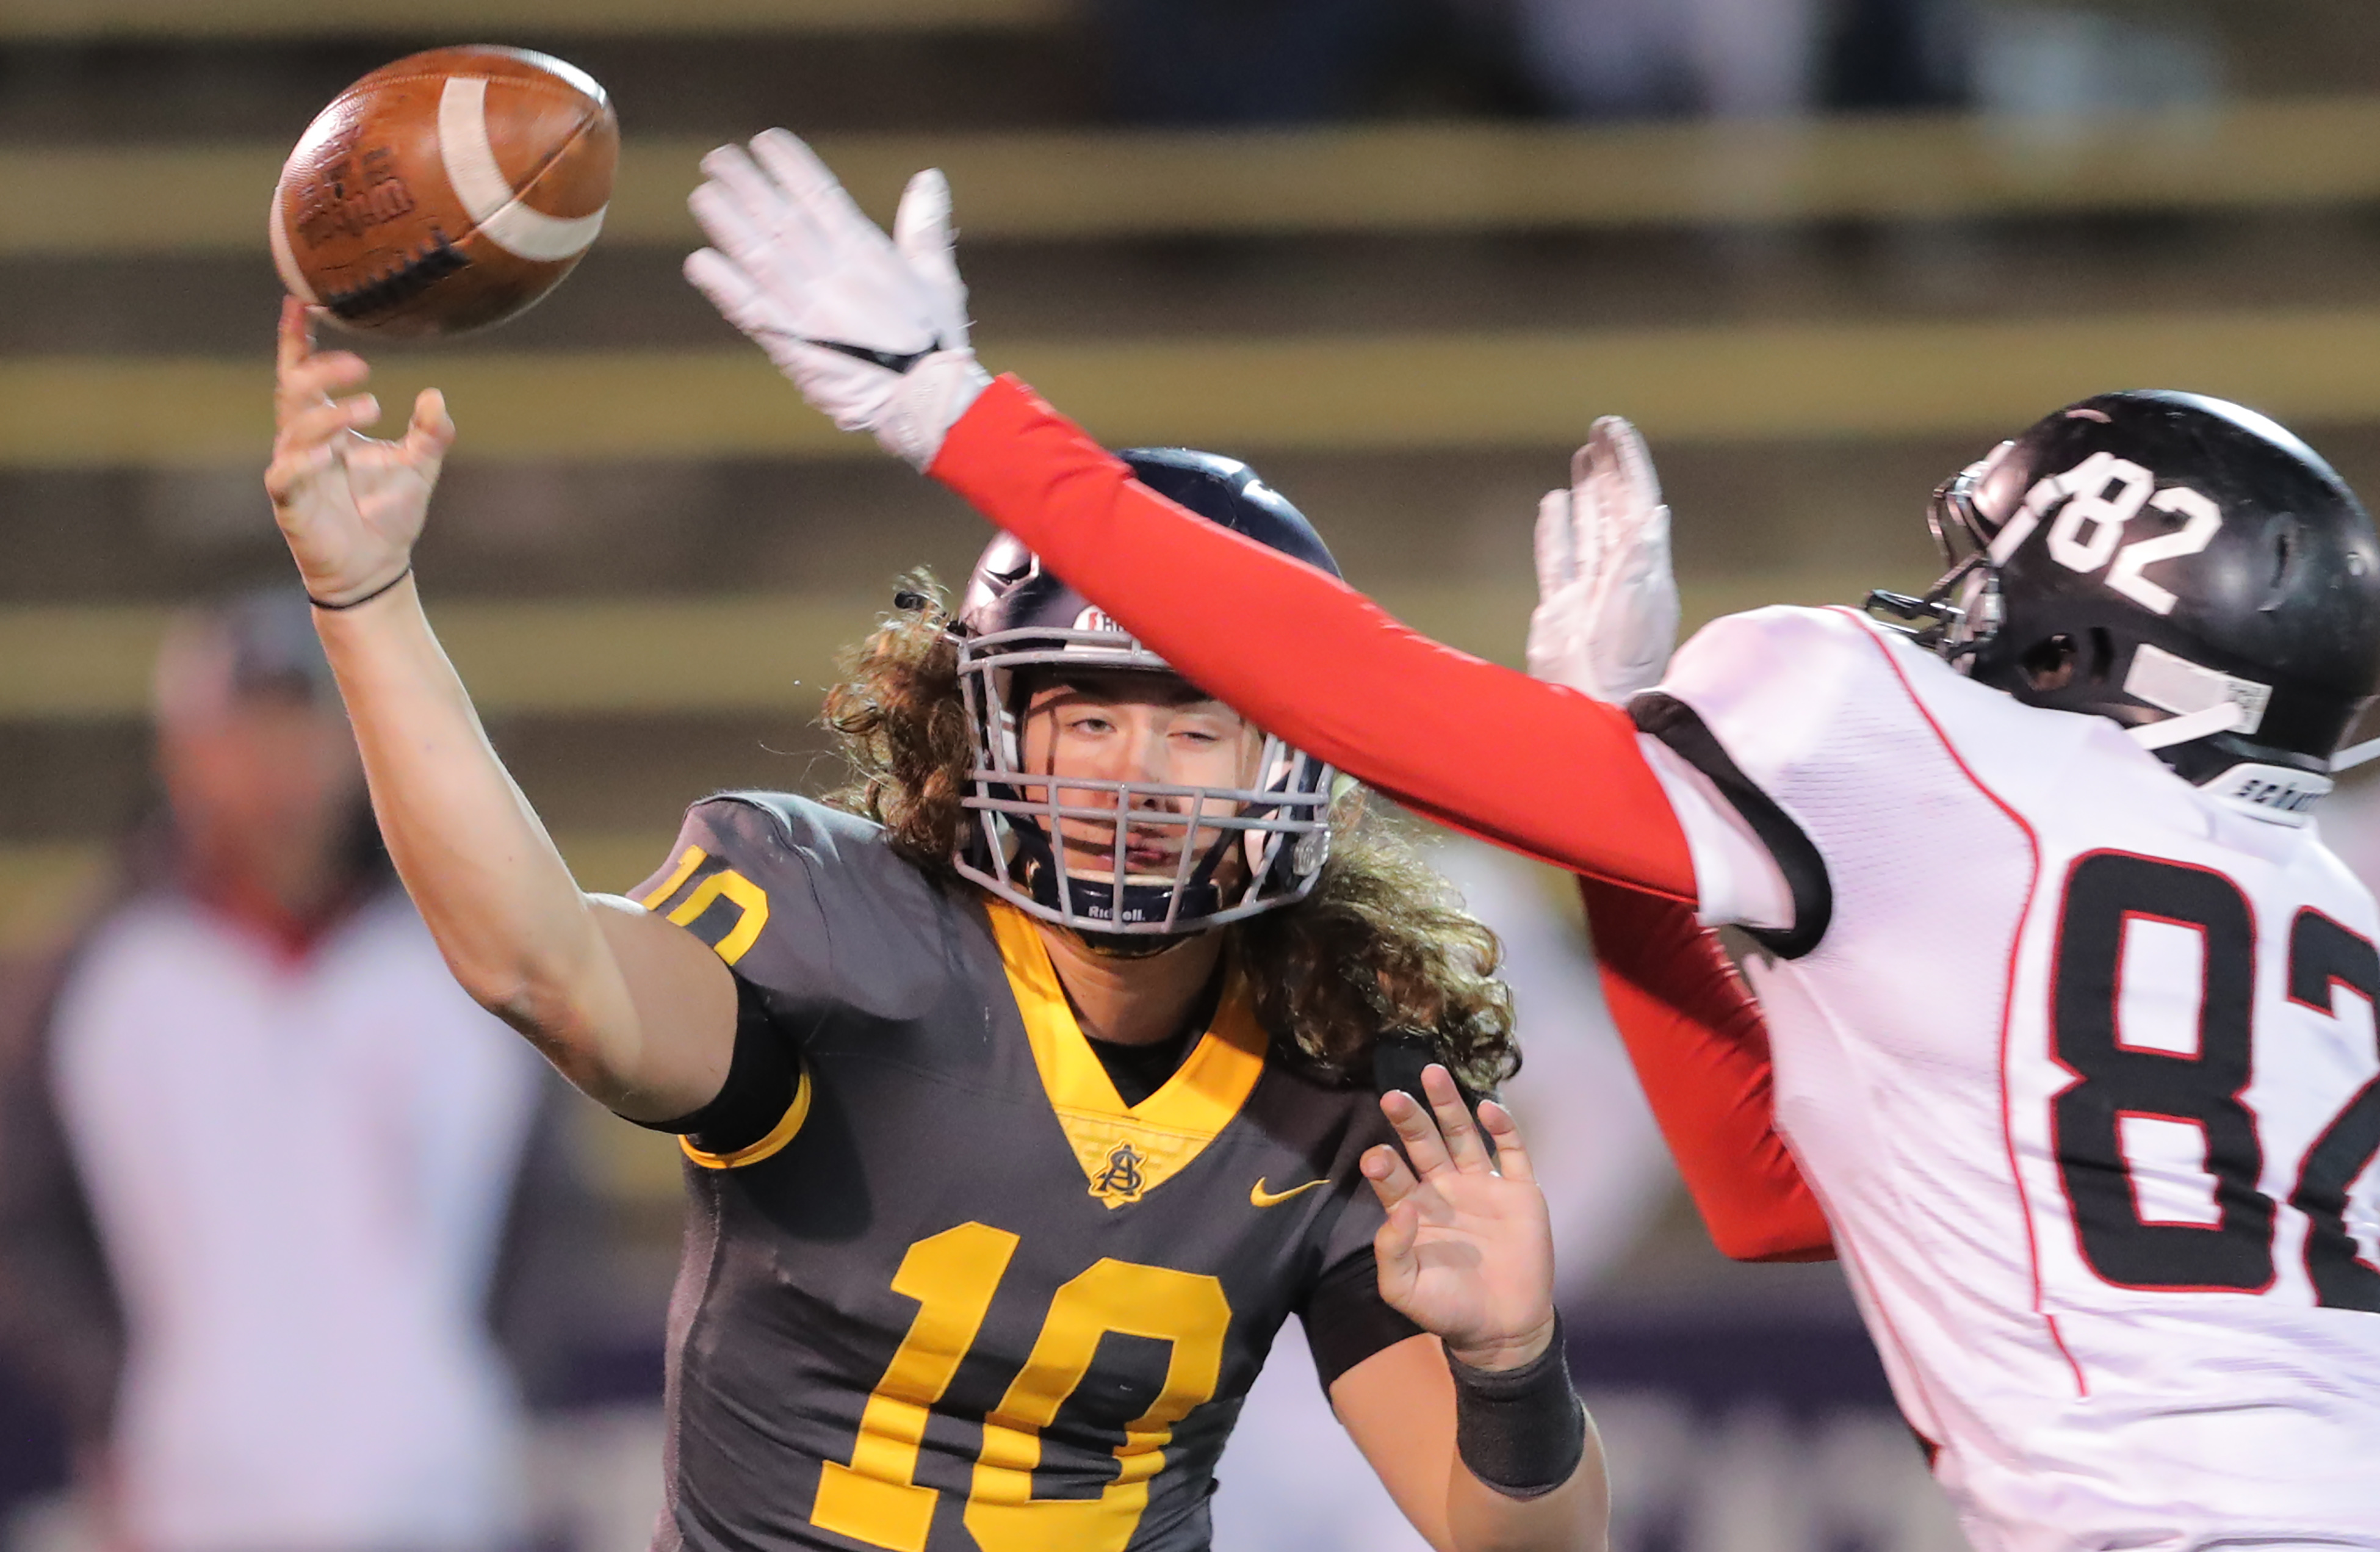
[[1096, 619]]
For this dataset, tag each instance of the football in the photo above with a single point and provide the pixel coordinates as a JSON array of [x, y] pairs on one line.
[[445, 192]]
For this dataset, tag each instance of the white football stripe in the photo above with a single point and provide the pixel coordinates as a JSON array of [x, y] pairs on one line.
[[284, 259], [480, 184]]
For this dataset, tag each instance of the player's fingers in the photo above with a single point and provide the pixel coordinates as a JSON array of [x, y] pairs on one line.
[[1415, 1132], [312, 382], [1393, 1250], [757, 222], [296, 337], [325, 374], [314, 426], [1557, 562], [1630, 460], [739, 178], [731, 290], [1590, 537], [432, 430], [1454, 1125], [739, 233], [1512, 1158], [295, 464], [921, 228], [814, 189], [1385, 1170]]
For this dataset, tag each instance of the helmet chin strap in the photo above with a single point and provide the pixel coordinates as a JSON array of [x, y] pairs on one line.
[[2355, 754], [1117, 945], [2278, 795], [2205, 722]]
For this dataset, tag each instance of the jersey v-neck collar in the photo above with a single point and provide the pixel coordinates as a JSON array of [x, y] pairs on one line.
[[1127, 1151]]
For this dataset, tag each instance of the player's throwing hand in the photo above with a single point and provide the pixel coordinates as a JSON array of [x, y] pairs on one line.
[[349, 505], [1467, 1252]]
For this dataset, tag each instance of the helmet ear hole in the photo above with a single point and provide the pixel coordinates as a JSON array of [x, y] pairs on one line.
[[2050, 664]]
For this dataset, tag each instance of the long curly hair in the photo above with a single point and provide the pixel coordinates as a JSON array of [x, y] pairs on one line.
[[1381, 947]]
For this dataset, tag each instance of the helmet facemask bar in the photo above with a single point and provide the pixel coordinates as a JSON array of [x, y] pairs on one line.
[[1278, 829], [1961, 611]]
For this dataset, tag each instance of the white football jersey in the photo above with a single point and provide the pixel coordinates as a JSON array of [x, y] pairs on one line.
[[2081, 1061]]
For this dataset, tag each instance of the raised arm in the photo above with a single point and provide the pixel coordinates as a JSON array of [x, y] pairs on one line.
[[634, 1011], [873, 332], [1528, 765], [1695, 1038], [1534, 766], [1606, 625]]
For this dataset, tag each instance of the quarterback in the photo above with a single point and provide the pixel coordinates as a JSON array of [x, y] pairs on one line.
[[2070, 1009], [1026, 1090]]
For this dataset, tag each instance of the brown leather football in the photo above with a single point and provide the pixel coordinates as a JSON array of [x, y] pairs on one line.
[[447, 191]]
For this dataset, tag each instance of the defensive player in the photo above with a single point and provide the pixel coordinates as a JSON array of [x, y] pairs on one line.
[[2071, 1008], [1026, 1096]]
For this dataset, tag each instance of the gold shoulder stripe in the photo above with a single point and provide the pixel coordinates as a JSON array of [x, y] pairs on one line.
[[1127, 1151], [678, 876], [768, 1147]]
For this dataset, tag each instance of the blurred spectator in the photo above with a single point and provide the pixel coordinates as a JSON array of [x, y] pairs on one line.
[[260, 1158], [1634, 58], [2048, 63], [1741, 58], [1298, 61]]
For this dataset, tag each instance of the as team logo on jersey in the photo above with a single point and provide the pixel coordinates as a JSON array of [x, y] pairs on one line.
[[1121, 1180]]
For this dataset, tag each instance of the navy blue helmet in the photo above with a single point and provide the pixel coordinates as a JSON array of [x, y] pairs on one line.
[[1241, 849]]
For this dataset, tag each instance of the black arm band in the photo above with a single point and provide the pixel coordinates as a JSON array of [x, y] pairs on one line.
[[1521, 1431], [761, 1082]]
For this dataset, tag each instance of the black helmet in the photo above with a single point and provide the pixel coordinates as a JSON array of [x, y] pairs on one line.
[[1016, 615], [2181, 564]]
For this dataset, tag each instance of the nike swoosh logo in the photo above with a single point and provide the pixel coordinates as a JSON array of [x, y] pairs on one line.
[[1260, 1197], [891, 360]]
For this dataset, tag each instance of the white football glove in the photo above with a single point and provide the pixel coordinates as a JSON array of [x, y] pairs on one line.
[[1606, 614], [872, 331]]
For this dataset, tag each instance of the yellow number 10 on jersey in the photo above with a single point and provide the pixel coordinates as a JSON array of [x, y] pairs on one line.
[[954, 1276]]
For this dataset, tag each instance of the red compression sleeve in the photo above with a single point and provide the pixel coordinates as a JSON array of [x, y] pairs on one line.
[[1537, 768], [1701, 1052], [1534, 767]]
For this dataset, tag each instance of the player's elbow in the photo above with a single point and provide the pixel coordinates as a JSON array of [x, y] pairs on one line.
[[544, 1002], [1796, 1233]]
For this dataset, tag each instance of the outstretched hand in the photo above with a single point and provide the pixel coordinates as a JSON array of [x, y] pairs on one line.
[[349, 505], [1467, 1252], [1606, 614], [872, 329]]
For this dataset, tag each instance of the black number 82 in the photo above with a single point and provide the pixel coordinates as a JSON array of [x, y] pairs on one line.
[[2112, 1080]]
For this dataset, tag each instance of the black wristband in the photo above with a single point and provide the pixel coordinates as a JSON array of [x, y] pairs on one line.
[[1521, 1431], [368, 597]]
